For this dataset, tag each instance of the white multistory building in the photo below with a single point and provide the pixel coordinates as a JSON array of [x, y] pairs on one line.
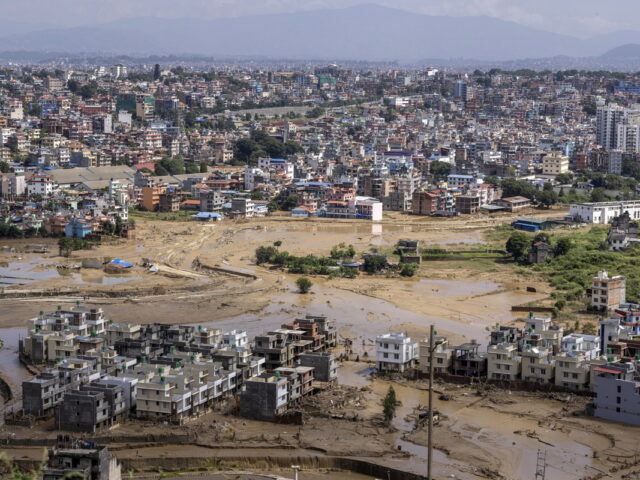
[[588, 345], [604, 212], [395, 352], [607, 120]]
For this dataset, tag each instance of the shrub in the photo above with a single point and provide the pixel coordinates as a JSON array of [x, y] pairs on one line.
[[375, 263], [409, 269], [265, 254], [304, 284], [560, 304]]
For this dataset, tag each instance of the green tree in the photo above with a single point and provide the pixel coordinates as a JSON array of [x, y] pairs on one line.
[[563, 246], [73, 86], [265, 254], [156, 72], [518, 245], [89, 90], [272, 206], [172, 166], [304, 284], [375, 263], [244, 149], [203, 167], [564, 178], [547, 198], [291, 202], [291, 148], [517, 188], [542, 237], [4, 167], [341, 251], [491, 180], [315, 112], [389, 406], [108, 228], [439, 169], [160, 170], [65, 245], [409, 269], [597, 195], [118, 226]]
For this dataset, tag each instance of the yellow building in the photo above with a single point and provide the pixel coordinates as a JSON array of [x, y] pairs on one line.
[[151, 197], [555, 164]]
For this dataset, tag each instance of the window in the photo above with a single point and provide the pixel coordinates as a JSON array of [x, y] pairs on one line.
[[396, 356], [385, 355], [619, 389], [440, 360], [618, 400], [533, 370], [397, 347]]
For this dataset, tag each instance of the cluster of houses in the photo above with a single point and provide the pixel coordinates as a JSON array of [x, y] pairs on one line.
[[73, 215], [607, 364], [99, 372]]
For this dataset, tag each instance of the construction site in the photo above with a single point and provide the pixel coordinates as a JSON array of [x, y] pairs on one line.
[[206, 274]]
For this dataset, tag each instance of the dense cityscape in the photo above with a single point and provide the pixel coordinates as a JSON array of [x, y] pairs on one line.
[[288, 268]]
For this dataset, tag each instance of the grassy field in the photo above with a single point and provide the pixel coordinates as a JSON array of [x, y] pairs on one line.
[[179, 216]]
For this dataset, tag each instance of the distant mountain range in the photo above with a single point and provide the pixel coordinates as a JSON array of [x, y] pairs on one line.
[[365, 32]]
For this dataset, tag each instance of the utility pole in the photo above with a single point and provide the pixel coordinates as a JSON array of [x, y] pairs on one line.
[[430, 428]]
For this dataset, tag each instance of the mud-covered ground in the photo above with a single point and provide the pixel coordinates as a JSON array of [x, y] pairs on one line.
[[491, 434]]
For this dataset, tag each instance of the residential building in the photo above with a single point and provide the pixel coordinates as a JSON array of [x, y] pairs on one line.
[[324, 365], [40, 185], [572, 370], [503, 362], [71, 458], [555, 164], [395, 352], [469, 361], [265, 397], [607, 120], [242, 207], [538, 365], [467, 204], [424, 203], [604, 212], [617, 393], [588, 345], [442, 356], [91, 408], [513, 204], [607, 293]]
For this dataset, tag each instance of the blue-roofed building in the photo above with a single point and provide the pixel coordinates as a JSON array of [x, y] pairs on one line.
[[208, 216], [531, 225], [78, 228], [277, 165]]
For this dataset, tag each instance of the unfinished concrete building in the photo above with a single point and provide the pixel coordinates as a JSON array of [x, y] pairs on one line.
[[264, 397], [324, 365]]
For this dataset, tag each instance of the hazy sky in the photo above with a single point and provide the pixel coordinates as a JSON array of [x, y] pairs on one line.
[[575, 17]]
